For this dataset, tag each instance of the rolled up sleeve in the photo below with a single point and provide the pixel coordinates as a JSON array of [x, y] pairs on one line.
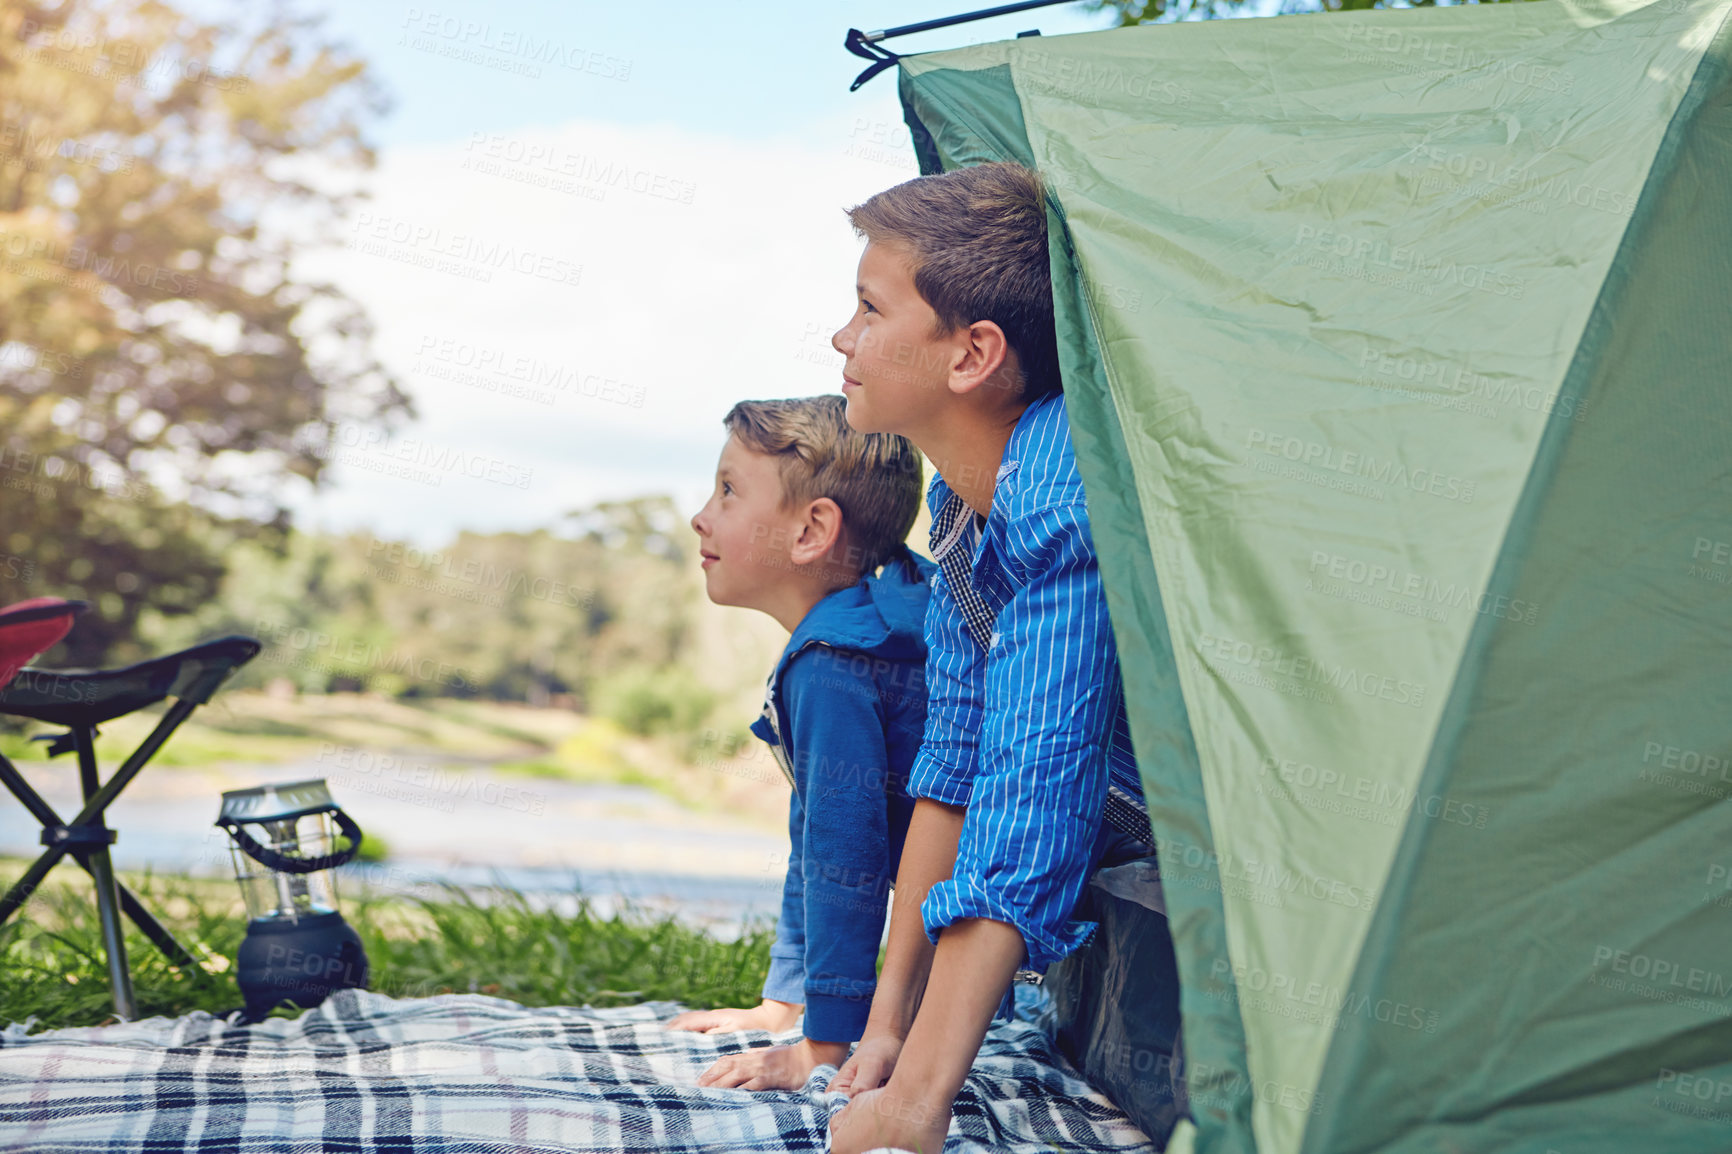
[[944, 768], [1051, 691]]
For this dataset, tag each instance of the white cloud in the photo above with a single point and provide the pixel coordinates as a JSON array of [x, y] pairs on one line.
[[711, 270]]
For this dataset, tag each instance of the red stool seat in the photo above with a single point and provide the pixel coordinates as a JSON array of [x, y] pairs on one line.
[[33, 627]]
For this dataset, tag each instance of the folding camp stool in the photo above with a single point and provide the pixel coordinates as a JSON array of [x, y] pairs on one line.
[[81, 700]]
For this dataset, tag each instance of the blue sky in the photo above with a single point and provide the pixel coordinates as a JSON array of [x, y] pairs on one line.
[[747, 70], [673, 210]]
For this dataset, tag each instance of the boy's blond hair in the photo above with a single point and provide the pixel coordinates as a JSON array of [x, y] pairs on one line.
[[977, 238], [874, 478]]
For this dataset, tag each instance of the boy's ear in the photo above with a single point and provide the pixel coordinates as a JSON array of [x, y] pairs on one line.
[[986, 355], [820, 532]]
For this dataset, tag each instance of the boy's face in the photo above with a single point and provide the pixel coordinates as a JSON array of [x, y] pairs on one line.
[[897, 371], [744, 533]]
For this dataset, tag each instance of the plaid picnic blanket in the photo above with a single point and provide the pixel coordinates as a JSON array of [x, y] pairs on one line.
[[466, 1074]]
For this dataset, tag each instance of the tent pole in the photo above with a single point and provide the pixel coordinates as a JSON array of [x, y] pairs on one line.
[[866, 44], [965, 18]]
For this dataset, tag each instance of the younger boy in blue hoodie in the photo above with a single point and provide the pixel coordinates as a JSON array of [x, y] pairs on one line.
[[804, 513]]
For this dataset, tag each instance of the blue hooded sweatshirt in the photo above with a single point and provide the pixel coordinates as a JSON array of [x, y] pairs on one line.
[[844, 714]]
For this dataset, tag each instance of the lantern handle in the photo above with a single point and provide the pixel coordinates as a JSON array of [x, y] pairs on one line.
[[271, 859]]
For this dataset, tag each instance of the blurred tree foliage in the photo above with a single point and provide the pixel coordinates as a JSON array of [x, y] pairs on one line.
[[161, 371], [601, 614]]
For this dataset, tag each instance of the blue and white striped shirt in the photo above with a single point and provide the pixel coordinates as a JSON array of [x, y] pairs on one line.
[[1029, 732]]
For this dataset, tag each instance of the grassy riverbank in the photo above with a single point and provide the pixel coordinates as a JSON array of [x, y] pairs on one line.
[[52, 965], [325, 734]]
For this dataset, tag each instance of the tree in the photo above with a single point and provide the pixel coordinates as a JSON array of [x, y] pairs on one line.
[[605, 614], [162, 371]]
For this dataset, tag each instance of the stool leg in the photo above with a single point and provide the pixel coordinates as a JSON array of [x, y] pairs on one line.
[[25, 887], [113, 933], [178, 956], [107, 892], [176, 953]]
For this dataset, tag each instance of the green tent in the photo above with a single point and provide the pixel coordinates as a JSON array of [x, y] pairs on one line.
[[1398, 352]]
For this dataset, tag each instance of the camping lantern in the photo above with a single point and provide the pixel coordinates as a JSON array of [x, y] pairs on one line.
[[298, 947]]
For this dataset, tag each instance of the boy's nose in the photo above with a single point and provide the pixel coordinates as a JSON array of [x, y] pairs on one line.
[[842, 340], [698, 522]]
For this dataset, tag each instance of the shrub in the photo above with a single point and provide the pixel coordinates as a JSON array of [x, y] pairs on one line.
[[646, 702]]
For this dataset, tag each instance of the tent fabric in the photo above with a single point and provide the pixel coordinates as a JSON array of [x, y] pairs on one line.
[[1605, 867], [977, 120], [1396, 351]]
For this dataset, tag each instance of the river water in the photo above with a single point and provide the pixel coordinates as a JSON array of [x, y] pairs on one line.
[[466, 826]]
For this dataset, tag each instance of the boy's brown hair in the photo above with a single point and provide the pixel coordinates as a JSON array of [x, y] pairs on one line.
[[977, 237], [874, 478]]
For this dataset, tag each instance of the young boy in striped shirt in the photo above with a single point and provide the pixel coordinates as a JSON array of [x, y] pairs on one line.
[[1027, 747], [806, 523]]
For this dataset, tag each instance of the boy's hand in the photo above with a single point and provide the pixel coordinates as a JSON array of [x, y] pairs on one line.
[[885, 1118], [870, 1067], [773, 1067], [768, 1015]]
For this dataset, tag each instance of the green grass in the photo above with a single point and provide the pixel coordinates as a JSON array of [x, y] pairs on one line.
[[52, 965]]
